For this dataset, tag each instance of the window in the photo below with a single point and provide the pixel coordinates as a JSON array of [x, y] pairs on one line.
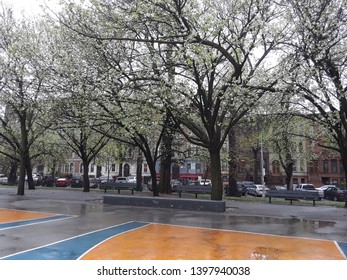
[[145, 167], [334, 166], [294, 165], [113, 167], [325, 166], [198, 167], [275, 167], [302, 163], [126, 170], [72, 167]]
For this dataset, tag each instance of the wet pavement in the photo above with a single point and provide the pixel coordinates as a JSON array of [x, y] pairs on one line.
[[70, 224]]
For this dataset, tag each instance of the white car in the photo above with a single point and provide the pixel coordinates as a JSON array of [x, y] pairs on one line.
[[121, 180], [309, 188], [3, 180], [257, 190], [131, 179], [205, 182]]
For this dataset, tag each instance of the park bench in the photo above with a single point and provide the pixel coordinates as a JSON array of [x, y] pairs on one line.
[[194, 189], [293, 195], [111, 185]]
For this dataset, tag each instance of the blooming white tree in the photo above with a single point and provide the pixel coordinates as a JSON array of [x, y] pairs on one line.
[[208, 62], [24, 92], [317, 66]]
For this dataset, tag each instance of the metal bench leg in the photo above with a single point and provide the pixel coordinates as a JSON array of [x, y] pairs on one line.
[[105, 190], [118, 191], [196, 195], [132, 191]]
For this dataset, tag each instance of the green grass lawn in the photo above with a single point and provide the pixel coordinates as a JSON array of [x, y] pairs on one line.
[[249, 198]]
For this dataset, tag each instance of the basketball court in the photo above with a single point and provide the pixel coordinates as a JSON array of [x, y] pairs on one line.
[[142, 240]]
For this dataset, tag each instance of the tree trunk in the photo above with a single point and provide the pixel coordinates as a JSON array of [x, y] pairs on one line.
[[232, 184], [216, 179], [165, 164], [21, 181], [289, 171], [151, 166], [86, 185], [139, 172], [165, 174], [12, 178], [29, 172], [166, 156], [289, 179], [23, 156], [344, 164]]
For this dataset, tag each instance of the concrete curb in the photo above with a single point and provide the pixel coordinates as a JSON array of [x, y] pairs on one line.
[[162, 202]]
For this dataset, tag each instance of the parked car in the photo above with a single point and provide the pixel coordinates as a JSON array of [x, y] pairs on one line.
[[3, 180], [324, 188], [205, 182], [93, 183], [62, 182], [76, 182], [247, 184], [309, 188], [105, 178], [150, 184], [280, 188], [174, 184], [257, 190], [121, 180], [242, 189], [335, 193], [36, 178], [101, 179], [341, 195], [131, 179], [48, 181]]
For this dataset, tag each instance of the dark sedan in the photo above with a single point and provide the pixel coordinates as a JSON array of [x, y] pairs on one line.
[[48, 181], [335, 193], [76, 182], [242, 189]]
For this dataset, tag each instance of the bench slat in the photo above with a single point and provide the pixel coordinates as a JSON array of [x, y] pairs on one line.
[[195, 189], [293, 195], [118, 186]]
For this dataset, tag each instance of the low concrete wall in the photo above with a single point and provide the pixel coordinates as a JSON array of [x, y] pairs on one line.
[[162, 202]]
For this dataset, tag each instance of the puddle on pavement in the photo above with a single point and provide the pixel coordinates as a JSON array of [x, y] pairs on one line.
[[282, 221]]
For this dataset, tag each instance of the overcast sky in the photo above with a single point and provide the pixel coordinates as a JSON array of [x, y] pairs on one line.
[[29, 7]]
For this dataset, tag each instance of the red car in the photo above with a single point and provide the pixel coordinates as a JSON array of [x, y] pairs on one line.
[[62, 182]]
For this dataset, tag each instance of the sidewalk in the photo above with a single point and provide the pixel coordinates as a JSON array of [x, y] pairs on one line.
[[281, 209]]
